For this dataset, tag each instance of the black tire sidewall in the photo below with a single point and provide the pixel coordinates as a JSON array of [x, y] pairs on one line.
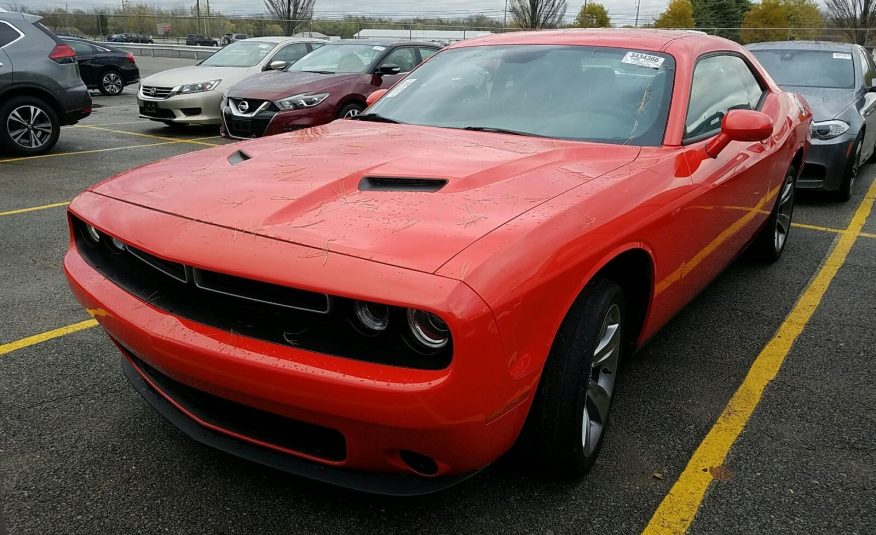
[[15, 102], [100, 83], [347, 107], [844, 193], [764, 246]]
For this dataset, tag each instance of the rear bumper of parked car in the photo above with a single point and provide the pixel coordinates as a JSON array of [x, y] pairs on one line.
[[76, 103], [826, 163], [369, 415], [197, 108]]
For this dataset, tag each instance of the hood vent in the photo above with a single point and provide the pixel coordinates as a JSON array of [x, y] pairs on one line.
[[379, 183], [237, 157]]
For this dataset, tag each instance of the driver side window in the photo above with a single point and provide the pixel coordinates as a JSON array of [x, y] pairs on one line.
[[720, 84], [403, 57], [290, 53]]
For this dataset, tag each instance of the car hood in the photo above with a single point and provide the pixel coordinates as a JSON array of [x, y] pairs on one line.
[[826, 103], [304, 187], [197, 73], [273, 85]]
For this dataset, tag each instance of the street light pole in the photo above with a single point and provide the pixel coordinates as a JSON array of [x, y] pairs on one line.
[[636, 25], [505, 19]]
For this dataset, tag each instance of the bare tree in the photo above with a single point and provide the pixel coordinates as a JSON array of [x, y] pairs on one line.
[[290, 12], [854, 16], [538, 14]]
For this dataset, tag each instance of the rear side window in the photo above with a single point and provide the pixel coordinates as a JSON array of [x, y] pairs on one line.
[[82, 49], [426, 53], [720, 84], [8, 33]]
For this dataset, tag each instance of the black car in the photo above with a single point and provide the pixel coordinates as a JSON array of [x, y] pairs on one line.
[[129, 38], [197, 39], [103, 67], [40, 87]]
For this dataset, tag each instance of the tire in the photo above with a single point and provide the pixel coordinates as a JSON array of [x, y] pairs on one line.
[[350, 110], [28, 126], [847, 186], [770, 242], [569, 416], [111, 83]]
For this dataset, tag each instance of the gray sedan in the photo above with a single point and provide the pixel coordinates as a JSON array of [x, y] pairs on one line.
[[837, 80]]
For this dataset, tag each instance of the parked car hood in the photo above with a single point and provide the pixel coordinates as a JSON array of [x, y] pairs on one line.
[[273, 85], [197, 73], [305, 186], [826, 103]]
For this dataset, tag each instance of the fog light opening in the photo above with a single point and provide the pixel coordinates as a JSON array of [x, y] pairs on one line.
[[371, 318], [117, 245], [419, 463], [428, 329], [91, 235]]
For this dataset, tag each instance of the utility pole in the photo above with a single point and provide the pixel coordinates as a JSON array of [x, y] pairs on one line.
[[636, 25], [505, 19], [198, 13], [207, 20]]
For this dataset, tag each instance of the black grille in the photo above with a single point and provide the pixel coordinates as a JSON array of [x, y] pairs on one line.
[[315, 440], [278, 314]]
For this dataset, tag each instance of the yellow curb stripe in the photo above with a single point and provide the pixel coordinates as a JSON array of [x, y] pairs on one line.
[[150, 136], [34, 208], [48, 335], [678, 509]]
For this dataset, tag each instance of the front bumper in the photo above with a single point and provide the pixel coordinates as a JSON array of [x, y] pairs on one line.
[[462, 417], [826, 163], [196, 108], [270, 121]]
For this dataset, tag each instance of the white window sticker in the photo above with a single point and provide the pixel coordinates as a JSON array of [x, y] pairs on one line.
[[643, 60], [400, 87], [378, 47], [841, 55]]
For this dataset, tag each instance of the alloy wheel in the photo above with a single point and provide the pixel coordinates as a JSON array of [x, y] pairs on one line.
[[784, 212], [352, 113], [29, 126], [600, 387], [112, 83]]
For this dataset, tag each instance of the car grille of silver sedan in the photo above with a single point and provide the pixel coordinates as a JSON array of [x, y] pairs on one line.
[[155, 92]]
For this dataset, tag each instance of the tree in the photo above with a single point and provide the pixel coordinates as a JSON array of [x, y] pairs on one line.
[[592, 15], [678, 14], [851, 14], [537, 14], [767, 21], [290, 12], [720, 17]]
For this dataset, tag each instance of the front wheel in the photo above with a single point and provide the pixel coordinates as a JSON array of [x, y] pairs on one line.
[[28, 126], [350, 110], [566, 426], [844, 193], [111, 84], [770, 242]]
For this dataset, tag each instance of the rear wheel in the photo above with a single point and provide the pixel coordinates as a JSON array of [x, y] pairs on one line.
[[566, 426], [769, 244], [111, 83], [844, 193], [28, 126], [350, 110]]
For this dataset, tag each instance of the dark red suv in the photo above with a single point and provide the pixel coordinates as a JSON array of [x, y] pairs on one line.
[[330, 82]]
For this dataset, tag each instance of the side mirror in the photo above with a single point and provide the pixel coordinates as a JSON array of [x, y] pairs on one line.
[[375, 96], [278, 65], [387, 68], [740, 125]]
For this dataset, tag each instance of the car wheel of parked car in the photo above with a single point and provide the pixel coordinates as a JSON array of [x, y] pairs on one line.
[[844, 193], [350, 110], [769, 244], [569, 416], [111, 83], [28, 126]]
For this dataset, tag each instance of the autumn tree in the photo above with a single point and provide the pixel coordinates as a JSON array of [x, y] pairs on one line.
[[537, 14], [779, 20], [678, 14], [592, 15], [853, 16], [289, 13]]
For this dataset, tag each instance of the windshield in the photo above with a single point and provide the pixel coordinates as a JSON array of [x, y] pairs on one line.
[[598, 94], [240, 54], [339, 59], [809, 68]]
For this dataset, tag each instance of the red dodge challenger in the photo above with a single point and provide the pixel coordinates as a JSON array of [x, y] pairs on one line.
[[390, 303]]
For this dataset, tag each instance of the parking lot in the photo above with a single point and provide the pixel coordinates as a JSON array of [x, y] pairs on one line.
[[81, 452]]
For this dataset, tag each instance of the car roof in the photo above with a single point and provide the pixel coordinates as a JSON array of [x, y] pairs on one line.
[[283, 39], [641, 39], [830, 46], [381, 42], [17, 16]]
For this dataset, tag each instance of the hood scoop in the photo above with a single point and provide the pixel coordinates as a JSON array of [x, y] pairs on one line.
[[380, 183], [237, 157]]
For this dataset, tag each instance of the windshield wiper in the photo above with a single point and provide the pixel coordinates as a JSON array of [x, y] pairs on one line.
[[374, 117], [500, 131], [321, 72]]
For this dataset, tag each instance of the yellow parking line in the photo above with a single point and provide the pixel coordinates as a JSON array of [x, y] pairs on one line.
[[678, 508], [48, 335], [151, 136], [90, 151], [34, 208], [830, 229]]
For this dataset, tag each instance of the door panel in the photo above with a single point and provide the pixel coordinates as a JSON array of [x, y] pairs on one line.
[[5, 70]]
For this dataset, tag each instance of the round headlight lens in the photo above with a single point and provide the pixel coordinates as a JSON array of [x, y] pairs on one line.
[[117, 245], [428, 329], [92, 235], [374, 317]]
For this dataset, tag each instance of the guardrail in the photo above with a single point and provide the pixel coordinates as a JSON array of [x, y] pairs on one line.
[[166, 50]]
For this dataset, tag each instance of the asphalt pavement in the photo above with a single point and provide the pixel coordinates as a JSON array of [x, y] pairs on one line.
[[81, 452]]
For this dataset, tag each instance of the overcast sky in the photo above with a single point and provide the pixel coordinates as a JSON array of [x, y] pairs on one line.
[[621, 11]]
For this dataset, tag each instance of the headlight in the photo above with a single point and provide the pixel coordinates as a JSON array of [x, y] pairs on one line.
[[199, 87], [297, 102], [828, 129], [92, 235], [117, 245], [428, 329], [372, 318]]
